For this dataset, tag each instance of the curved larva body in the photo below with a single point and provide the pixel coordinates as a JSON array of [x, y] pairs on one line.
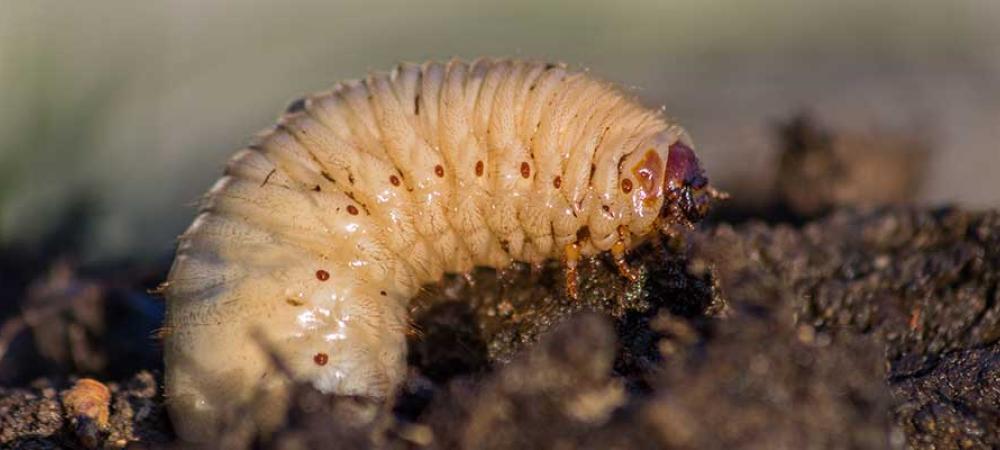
[[321, 231]]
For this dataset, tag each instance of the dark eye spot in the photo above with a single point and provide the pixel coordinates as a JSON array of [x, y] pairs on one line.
[[394, 180], [321, 359], [626, 185], [352, 210], [439, 171], [479, 168], [382, 293], [322, 275], [557, 182]]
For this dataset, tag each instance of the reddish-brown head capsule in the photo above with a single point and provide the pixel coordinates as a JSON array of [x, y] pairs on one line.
[[685, 186]]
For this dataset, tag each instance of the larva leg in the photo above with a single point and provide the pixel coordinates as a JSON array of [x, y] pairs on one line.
[[572, 260], [618, 253]]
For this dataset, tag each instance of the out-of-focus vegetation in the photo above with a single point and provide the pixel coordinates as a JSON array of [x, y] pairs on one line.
[[131, 108]]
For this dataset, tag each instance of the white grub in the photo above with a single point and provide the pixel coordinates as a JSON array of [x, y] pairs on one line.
[[320, 232]]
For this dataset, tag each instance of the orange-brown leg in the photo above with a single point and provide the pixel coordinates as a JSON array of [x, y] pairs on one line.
[[572, 260], [618, 253]]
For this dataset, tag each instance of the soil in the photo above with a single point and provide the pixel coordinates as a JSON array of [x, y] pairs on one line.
[[830, 326]]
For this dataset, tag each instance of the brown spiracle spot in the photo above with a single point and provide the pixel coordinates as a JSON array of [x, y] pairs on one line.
[[382, 293], [316, 188], [294, 302], [322, 275], [649, 173], [557, 182], [626, 185], [394, 180], [439, 171], [352, 210], [525, 170], [479, 168], [321, 359]]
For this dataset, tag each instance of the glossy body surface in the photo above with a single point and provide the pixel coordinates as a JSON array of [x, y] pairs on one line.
[[321, 231]]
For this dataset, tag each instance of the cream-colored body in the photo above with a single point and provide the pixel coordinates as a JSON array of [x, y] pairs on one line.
[[319, 233]]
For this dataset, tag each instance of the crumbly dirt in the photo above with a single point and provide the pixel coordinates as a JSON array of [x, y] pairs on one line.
[[863, 328]]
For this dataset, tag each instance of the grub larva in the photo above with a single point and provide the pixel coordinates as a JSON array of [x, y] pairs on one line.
[[322, 230]]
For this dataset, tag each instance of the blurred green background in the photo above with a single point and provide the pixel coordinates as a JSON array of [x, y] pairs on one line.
[[130, 109]]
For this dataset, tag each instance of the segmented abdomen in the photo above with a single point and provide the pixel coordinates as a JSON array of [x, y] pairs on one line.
[[324, 227]]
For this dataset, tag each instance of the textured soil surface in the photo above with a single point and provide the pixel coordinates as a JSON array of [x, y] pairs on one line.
[[856, 328]]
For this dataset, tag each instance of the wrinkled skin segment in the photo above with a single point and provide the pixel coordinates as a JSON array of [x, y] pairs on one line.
[[306, 253]]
